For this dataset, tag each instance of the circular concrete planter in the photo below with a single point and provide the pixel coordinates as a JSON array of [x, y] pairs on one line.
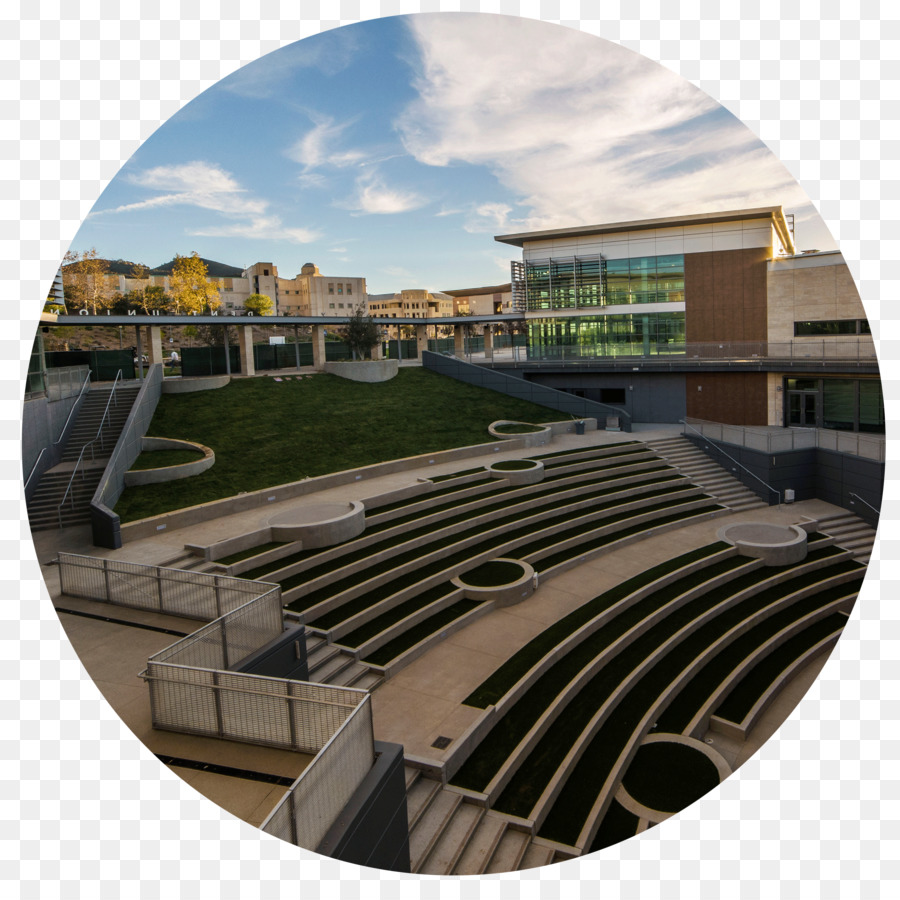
[[722, 770], [520, 474], [519, 586], [369, 371], [775, 545], [319, 524], [543, 434], [189, 385], [170, 473]]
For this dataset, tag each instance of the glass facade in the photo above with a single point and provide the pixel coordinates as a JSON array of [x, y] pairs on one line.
[[829, 327], [631, 334], [844, 404], [576, 282]]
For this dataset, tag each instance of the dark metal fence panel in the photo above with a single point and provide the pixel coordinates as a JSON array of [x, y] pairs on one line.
[[104, 364], [199, 361]]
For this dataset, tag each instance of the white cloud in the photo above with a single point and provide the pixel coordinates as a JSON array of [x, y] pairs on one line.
[[318, 146], [581, 130], [192, 184], [263, 228], [330, 53], [373, 196], [206, 186]]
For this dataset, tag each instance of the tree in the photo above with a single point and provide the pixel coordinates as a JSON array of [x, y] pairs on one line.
[[259, 305], [191, 290], [84, 281], [146, 299], [361, 333]]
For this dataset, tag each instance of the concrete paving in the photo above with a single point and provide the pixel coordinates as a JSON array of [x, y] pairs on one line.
[[424, 700]]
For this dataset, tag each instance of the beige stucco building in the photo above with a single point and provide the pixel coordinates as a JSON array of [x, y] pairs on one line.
[[493, 300], [416, 303]]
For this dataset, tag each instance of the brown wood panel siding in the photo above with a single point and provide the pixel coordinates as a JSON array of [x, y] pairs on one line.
[[725, 295], [735, 398]]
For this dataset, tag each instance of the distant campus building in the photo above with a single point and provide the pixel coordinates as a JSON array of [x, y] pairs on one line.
[[308, 294], [712, 316]]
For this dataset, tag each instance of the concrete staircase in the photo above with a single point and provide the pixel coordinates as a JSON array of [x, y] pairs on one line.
[[448, 835], [43, 508], [851, 533], [329, 664], [705, 473]]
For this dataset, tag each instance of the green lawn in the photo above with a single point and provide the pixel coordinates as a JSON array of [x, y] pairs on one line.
[[157, 459], [265, 433]]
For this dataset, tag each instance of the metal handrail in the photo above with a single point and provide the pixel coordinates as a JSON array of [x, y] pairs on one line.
[[80, 460], [768, 487], [84, 386], [865, 502]]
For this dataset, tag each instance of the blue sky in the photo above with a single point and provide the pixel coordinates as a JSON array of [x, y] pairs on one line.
[[397, 148]]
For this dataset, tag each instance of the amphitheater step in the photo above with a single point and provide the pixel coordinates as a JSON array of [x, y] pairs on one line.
[[449, 844], [481, 846], [430, 826], [418, 798], [537, 855], [851, 532], [706, 473], [509, 852]]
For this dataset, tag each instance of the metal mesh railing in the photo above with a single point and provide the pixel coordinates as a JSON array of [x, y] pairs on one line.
[[255, 709], [316, 798], [222, 644], [194, 595], [781, 440]]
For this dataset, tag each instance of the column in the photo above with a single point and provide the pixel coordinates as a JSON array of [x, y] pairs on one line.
[[318, 347], [154, 342], [421, 340], [139, 351], [245, 345], [459, 340], [488, 342]]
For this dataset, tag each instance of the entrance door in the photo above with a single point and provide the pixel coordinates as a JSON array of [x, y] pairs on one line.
[[802, 408]]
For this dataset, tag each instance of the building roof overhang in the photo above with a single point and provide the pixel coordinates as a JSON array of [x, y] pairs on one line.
[[773, 213]]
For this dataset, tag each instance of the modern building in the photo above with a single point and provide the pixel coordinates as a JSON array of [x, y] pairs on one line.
[[714, 317]]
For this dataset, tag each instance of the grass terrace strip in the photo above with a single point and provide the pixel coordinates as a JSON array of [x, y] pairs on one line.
[[694, 694], [549, 487], [764, 674], [526, 786], [618, 825], [583, 784], [375, 626], [246, 554], [437, 479], [390, 651], [440, 492], [496, 685], [588, 545], [484, 763], [600, 448], [523, 533]]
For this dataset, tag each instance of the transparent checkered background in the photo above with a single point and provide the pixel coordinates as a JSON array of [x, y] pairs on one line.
[[87, 809]]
